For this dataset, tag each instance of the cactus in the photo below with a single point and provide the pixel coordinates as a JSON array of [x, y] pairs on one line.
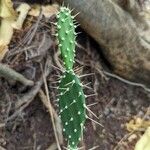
[[71, 97], [66, 36], [72, 110]]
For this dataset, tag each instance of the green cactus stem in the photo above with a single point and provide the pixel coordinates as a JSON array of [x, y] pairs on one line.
[[72, 110], [66, 36], [71, 96]]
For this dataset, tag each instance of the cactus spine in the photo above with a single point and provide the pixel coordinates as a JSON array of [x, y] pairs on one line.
[[71, 96]]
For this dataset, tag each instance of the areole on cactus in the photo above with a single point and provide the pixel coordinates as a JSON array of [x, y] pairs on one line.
[[71, 97]]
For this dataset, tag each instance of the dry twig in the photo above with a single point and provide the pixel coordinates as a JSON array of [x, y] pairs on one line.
[[44, 100], [51, 112], [126, 81]]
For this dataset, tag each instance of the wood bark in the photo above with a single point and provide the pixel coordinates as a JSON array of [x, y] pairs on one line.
[[122, 28]]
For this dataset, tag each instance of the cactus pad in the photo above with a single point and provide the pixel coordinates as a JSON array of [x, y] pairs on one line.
[[66, 36], [72, 110]]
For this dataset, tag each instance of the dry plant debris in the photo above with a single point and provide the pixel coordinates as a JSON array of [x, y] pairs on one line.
[[8, 16], [137, 124], [47, 10], [8, 23], [144, 142]]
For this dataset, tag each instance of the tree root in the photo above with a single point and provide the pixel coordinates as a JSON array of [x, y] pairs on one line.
[[9, 73], [26, 99]]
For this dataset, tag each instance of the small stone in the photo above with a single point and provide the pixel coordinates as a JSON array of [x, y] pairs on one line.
[[141, 114], [103, 131], [106, 111]]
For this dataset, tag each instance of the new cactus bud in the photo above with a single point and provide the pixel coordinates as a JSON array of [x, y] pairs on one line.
[[66, 36]]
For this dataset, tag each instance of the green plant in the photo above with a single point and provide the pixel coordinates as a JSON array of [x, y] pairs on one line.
[[71, 96]]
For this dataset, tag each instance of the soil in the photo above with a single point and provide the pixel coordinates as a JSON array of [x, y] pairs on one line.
[[115, 102]]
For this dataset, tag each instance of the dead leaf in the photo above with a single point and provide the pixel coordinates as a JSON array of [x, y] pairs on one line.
[[47, 10], [144, 141], [3, 51], [137, 124], [23, 10], [35, 10], [7, 10], [8, 23]]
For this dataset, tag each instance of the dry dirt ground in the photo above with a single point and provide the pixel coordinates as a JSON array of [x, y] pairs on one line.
[[25, 123]]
